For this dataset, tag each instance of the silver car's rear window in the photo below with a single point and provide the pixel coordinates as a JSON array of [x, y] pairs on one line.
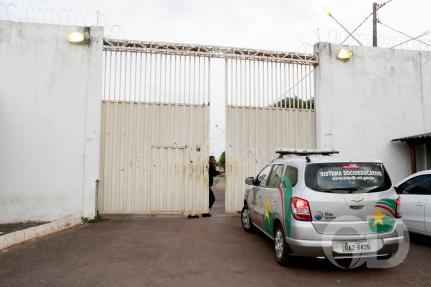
[[347, 177]]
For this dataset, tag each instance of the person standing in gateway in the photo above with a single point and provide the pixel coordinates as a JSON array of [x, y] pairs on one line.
[[212, 172]]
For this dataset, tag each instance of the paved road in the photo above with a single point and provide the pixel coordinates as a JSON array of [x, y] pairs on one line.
[[179, 252], [154, 251]]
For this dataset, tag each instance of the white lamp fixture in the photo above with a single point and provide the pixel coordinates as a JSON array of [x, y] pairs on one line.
[[344, 54], [80, 36]]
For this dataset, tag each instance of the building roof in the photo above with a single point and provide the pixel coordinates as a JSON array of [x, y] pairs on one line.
[[422, 138]]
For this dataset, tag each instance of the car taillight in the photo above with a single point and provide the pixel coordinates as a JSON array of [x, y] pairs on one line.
[[300, 209], [397, 212]]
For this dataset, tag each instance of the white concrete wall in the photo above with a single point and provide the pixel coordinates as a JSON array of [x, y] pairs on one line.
[[50, 101], [379, 95]]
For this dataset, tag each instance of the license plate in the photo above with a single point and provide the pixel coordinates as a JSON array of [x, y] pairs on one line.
[[356, 247]]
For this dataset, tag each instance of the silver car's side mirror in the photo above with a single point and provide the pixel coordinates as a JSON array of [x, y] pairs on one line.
[[249, 180]]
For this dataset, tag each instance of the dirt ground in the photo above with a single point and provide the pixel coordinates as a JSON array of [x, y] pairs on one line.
[[173, 251], [11, 227]]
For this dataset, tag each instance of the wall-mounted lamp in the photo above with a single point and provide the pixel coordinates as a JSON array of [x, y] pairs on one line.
[[80, 36], [344, 54]]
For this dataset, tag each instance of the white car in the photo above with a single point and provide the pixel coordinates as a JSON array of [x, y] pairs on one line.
[[415, 193]]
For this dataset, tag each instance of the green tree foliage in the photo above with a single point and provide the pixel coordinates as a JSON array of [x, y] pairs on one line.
[[221, 160], [295, 103]]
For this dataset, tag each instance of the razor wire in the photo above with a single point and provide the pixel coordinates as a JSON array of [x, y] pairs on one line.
[[70, 17]]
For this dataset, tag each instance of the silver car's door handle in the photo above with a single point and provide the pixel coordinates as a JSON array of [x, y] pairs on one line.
[[419, 204]]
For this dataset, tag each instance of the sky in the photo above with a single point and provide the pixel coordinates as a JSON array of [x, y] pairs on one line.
[[286, 25]]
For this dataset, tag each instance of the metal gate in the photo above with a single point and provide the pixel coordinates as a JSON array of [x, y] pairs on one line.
[[155, 122], [269, 105]]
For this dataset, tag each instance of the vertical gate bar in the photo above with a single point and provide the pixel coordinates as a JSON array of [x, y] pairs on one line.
[[199, 80], [267, 84], [165, 81], [228, 84], [301, 79], [110, 75], [245, 62], [271, 86], [160, 97], [130, 75], [249, 97], [235, 84], [119, 76], [278, 91], [145, 77], [276, 83], [105, 60], [289, 67], [232, 82], [243, 83], [230, 99], [139, 90], [254, 84], [241, 74], [285, 95], [155, 82], [208, 100], [156, 78], [259, 77], [179, 80], [150, 77], [136, 74], [304, 81], [302, 86], [174, 90], [308, 87], [189, 60], [194, 80], [185, 78], [296, 85], [312, 96], [246, 83]]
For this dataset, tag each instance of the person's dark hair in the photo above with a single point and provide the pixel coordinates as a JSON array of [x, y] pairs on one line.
[[211, 157]]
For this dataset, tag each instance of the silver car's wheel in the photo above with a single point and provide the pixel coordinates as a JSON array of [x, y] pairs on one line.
[[280, 246], [245, 219]]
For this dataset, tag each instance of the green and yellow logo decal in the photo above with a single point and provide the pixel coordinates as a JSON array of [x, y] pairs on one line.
[[383, 219], [268, 218]]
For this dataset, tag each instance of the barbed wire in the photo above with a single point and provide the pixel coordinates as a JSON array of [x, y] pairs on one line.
[[10, 11], [385, 40]]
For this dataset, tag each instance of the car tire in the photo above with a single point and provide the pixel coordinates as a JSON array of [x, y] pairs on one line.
[[281, 249], [246, 220]]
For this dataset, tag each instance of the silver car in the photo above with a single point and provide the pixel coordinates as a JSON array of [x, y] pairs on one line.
[[312, 204]]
